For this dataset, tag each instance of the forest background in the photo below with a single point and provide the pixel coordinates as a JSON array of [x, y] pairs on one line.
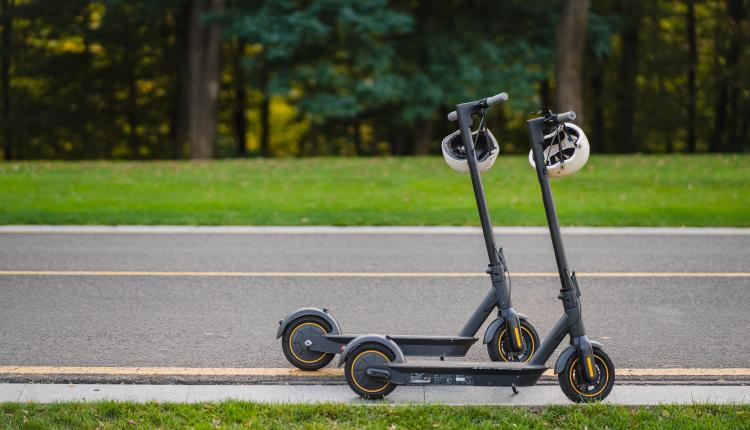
[[172, 79]]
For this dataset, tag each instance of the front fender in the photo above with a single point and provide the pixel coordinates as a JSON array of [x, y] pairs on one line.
[[372, 338], [322, 313], [567, 353], [495, 325]]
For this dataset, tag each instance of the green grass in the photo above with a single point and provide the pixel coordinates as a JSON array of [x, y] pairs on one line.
[[704, 190], [106, 415]]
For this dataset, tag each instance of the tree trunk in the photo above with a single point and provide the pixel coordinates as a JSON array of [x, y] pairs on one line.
[[571, 41], [240, 98], [202, 78], [178, 92], [668, 135], [692, 66], [396, 140], [544, 93], [424, 24], [720, 107], [7, 23], [598, 135], [131, 105], [357, 137], [89, 148], [423, 138], [743, 139], [627, 89], [736, 82], [314, 140], [265, 116]]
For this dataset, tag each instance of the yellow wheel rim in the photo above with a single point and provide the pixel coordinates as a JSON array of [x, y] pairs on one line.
[[606, 377], [354, 378], [291, 338], [500, 341]]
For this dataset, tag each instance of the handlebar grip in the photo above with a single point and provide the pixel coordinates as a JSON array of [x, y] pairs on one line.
[[497, 98], [489, 101], [564, 117]]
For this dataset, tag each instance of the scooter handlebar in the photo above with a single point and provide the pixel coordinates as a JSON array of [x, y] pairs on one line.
[[486, 102], [497, 98], [565, 117]]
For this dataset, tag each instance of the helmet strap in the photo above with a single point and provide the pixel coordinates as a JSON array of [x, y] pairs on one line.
[[482, 127]]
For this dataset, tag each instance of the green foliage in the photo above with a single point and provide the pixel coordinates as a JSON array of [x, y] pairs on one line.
[[610, 190], [91, 79], [599, 32], [105, 78]]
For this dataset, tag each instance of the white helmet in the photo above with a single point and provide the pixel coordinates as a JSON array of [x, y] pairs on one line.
[[486, 149], [565, 149]]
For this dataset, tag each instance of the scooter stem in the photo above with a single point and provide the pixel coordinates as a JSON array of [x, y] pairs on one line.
[[536, 137], [464, 112]]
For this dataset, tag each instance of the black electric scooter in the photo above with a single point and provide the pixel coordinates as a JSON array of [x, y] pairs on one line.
[[374, 365], [310, 337]]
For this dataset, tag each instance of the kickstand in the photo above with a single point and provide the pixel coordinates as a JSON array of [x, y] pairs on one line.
[[515, 390]]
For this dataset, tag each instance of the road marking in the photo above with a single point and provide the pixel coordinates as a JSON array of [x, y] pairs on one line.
[[166, 371], [328, 372], [111, 273], [365, 230]]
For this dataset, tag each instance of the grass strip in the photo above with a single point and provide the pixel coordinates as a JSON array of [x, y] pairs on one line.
[[653, 190], [234, 414]]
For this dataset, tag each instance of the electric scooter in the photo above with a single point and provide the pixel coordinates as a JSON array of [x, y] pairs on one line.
[[310, 337], [374, 365]]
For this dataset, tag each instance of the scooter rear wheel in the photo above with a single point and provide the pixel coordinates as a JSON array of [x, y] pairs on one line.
[[577, 390], [294, 348], [355, 369], [499, 348]]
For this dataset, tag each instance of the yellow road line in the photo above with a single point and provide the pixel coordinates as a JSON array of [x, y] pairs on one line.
[[290, 372], [111, 273], [662, 274], [165, 371]]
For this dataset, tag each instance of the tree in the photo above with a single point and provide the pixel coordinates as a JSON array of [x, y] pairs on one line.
[[599, 30], [240, 97], [202, 77], [119, 79], [7, 38], [729, 131], [627, 88], [332, 59], [451, 57], [571, 39], [691, 70]]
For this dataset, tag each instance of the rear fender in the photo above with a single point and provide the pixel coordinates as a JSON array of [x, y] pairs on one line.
[[322, 313]]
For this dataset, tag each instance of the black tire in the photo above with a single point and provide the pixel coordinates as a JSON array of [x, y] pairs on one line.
[[295, 351], [575, 390], [356, 364], [499, 347]]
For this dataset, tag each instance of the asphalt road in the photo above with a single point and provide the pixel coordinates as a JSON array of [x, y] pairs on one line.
[[185, 321]]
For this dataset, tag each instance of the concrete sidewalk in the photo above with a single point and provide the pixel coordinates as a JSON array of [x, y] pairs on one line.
[[532, 396], [366, 230]]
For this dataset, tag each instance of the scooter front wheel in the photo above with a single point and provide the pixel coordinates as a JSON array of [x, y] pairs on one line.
[[499, 348], [355, 371], [579, 391], [296, 351]]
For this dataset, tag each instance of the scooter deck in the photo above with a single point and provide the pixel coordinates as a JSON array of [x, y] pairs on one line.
[[460, 373], [425, 346]]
